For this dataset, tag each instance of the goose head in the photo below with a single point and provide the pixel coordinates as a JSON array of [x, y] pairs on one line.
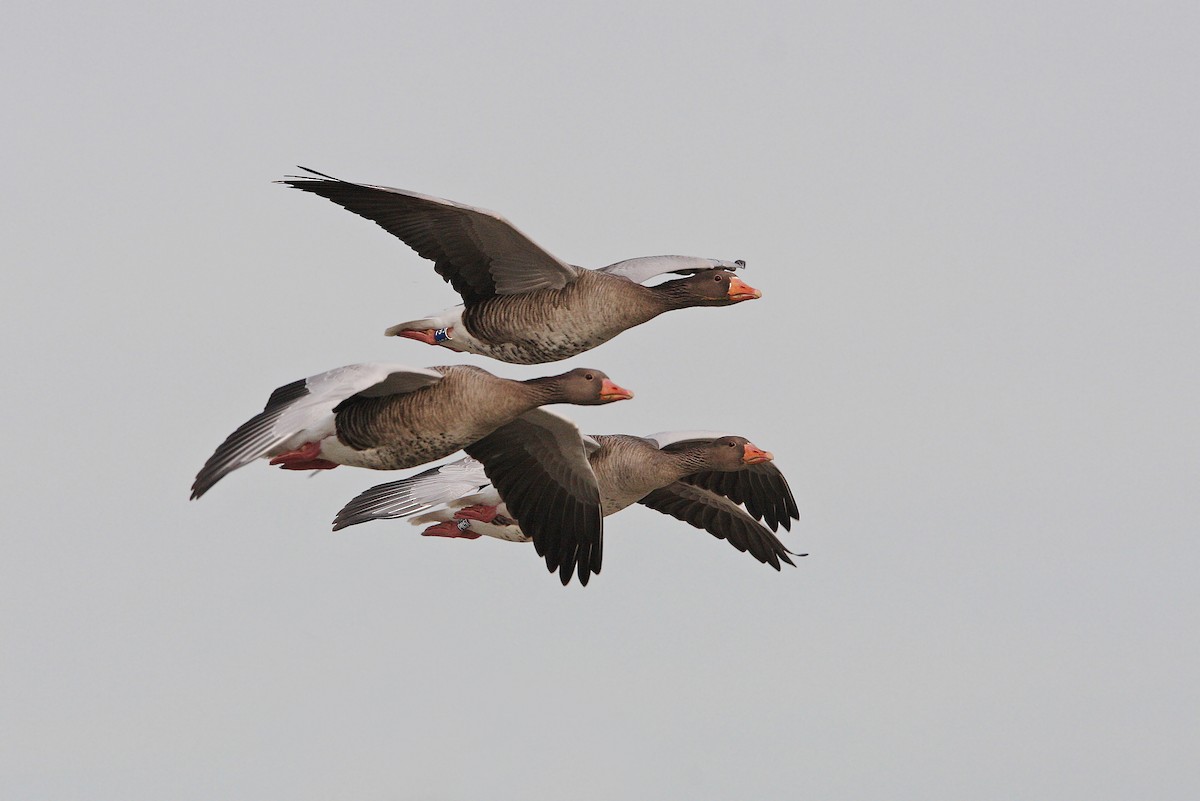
[[586, 387], [716, 287], [734, 453]]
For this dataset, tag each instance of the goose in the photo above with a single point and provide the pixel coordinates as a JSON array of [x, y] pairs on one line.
[[390, 416], [521, 304], [701, 477]]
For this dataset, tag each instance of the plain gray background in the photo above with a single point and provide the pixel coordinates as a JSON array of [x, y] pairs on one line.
[[975, 229]]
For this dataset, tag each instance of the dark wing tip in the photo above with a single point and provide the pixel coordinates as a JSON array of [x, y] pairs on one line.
[[330, 177], [250, 440], [299, 181], [345, 519], [721, 517], [560, 512], [761, 488]]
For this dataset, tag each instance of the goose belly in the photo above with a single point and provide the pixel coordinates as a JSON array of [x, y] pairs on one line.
[[410, 452], [545, 326], [539, 347]]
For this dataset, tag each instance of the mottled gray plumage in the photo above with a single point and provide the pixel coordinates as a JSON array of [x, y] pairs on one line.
[[410, 429]]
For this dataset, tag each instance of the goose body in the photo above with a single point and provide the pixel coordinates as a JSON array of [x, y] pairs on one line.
[[520, 303], [390, 432], [388, 416], [703, 478]]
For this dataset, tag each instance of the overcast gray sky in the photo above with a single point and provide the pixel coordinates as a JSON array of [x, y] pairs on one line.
[[976, 234]]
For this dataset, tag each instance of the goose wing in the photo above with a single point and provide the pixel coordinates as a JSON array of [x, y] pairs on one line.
[[302, 411], [479, 252], [761, 488], [643, 268], [538, 463], [720, 517], [410, 496]]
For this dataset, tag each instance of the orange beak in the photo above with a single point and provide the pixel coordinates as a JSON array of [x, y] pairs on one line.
[[740, 290], [611, 392], [755, 456]]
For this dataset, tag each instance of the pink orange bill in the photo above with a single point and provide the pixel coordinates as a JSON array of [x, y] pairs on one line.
[[611, 392], [754, 455], [740, 290]]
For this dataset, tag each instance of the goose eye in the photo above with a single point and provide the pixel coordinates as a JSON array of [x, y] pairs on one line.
[[717, 278], [588, 376]]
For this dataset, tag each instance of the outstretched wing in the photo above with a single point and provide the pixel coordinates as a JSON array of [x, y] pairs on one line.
[[410, 496], [720, 517], [479, 252], [761, 488], [538, 463], [644, 268], [302, 411]]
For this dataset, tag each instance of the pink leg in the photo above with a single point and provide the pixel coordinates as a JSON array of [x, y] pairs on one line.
[[306, 457], [484, 514], [449, 529]]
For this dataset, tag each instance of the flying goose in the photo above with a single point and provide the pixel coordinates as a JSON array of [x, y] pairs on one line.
[[390, 416], [522, 304], [703, 478]]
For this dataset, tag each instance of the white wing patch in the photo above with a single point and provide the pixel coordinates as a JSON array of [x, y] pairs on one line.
[[644, 268]]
